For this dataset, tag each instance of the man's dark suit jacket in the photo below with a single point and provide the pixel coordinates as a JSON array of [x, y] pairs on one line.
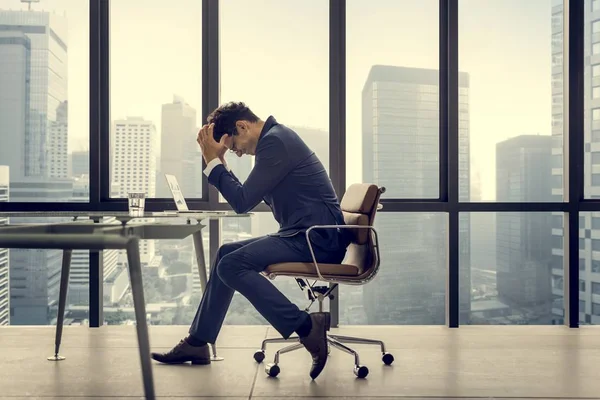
[[292, 181]]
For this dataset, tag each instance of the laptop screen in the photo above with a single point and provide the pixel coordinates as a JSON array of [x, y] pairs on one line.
[[176, 192]]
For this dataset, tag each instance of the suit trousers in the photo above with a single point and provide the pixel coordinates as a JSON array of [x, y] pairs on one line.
[[238, 267]]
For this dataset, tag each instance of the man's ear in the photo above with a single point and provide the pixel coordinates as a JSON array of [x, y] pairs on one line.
[[241, 125]]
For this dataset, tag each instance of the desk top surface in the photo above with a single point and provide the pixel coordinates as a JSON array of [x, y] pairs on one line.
[[120, 215]]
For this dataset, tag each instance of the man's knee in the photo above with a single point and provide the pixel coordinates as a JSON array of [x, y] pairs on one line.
[[227, 269], [225, 249]]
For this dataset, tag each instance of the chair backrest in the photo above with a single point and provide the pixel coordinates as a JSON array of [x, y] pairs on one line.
[[359, 205]]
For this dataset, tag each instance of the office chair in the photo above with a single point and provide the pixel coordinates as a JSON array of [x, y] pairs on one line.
[[359, 205]]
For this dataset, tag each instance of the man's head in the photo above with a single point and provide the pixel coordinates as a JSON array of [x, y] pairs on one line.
[[241, 126]]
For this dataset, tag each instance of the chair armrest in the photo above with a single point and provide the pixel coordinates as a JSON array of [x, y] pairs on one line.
[[321, 277]]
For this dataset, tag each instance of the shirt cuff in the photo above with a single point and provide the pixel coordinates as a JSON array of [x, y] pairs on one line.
[[211, 165]]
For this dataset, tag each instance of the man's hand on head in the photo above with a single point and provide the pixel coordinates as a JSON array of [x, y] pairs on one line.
[[211, 149]]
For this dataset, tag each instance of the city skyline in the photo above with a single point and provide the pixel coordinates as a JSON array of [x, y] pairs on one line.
[[136, 93]]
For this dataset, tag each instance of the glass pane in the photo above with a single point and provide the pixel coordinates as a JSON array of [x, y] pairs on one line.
[[44, 99], [410, 287], [515, 99], [171, 282], [297, 95], [392, 118], [516, 269], [155, 96], [591, 102], [31, 279], [589, 269]]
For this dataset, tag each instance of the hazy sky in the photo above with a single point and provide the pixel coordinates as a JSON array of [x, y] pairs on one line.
[[274, 55]]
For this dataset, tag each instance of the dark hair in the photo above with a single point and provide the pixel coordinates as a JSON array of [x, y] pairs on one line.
[[225, 117]]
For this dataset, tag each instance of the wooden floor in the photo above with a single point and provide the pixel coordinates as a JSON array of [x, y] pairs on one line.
[[431, 362]]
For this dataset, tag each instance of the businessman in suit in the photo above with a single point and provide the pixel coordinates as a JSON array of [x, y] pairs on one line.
[[291, 180]]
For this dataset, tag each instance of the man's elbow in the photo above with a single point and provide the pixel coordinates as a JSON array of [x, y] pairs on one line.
[[241, 208]]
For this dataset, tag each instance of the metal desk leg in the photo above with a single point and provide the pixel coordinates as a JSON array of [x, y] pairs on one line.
[[137, 291], [62, 300], [201, 261]]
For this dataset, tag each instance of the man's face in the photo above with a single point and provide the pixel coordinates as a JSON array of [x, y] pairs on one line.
[[242, 143]]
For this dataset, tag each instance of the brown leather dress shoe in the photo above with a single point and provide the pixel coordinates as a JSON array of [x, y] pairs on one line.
[[316, 341], [184, 352]]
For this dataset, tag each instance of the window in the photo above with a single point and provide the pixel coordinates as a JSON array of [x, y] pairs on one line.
[[596, 309], [596, 114], [301, 44], [596, 179], [44, 101], [595, 266], [155, 96], [582, 264], [581, 285], [496, 242], [596, 27], [596, 70], [392, 116], [498, 152], [595, 5], [596, 48], [596, 92], [44, 136], [412, 291], [595, 288]]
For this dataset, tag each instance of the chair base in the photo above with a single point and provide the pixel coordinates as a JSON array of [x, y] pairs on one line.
[[336, 341]]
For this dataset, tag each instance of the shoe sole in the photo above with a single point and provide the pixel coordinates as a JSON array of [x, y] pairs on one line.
[[194, 362]]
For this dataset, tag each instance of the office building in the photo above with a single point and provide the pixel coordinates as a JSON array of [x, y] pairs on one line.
[[523, 239], [33, 99], [4, 253], [179, 152], [400, 147], [483, 246], [133, 159], [15, 54], [80, 163]]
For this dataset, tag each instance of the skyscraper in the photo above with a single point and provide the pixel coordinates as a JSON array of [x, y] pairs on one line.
[[4, 254], [33, 99], [400, 133], [80, 163], [179, 153], [133, 155], [15, 55], [523, 240]]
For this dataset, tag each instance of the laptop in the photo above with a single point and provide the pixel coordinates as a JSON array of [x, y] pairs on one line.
[[180, 203]]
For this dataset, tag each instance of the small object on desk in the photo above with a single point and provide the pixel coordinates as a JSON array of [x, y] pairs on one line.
[[137, 203]]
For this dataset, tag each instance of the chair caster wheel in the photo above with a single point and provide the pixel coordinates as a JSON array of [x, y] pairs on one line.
[[272, 370], [361, 371], [259, 356], [387, 358]]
